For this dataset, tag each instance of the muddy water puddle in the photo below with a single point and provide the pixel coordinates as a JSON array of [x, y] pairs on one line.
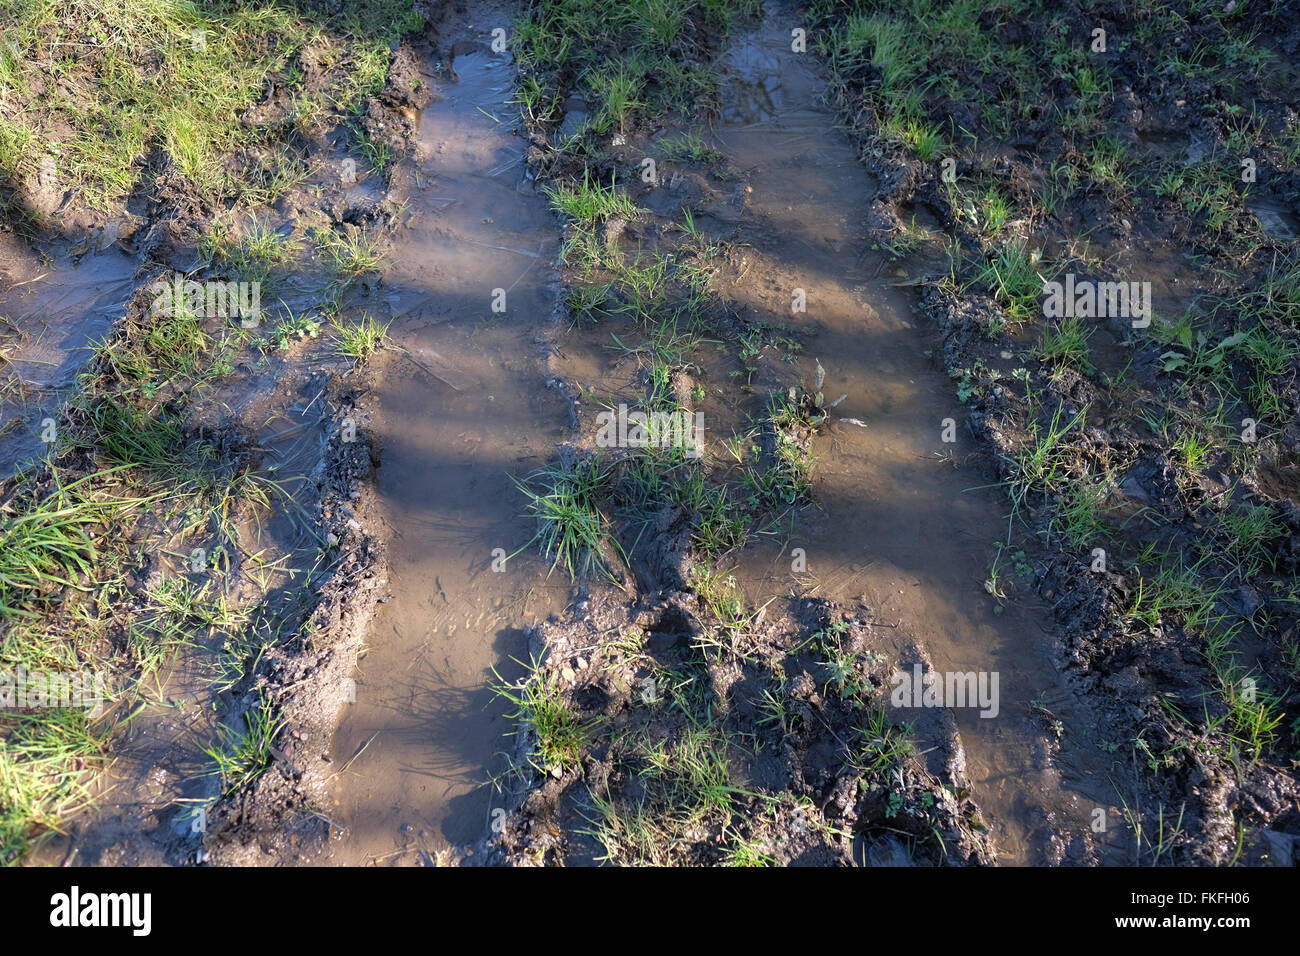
[[1277, 220], [461, 408], [52, 310], [902, 525]]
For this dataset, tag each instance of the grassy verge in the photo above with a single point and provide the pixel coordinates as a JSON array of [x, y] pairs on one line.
[[99, 96]]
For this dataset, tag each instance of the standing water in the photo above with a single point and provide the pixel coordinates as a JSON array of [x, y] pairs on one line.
[[462, 409], [50, 317], [902, 525]]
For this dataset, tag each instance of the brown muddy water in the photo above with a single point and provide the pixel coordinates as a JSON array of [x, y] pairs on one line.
[[52, 309], [901, 524], [461, 409]]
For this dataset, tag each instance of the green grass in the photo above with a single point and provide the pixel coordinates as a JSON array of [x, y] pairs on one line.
[[717, 591], [589, 300], [631, 61], [126, 436], [1192, 449], [1012, 277], [46, 762], [1282, 292], [926, 141], [560, 737], [689, 148], [1044, 463], [1175, 592], [149, 354], [1253, 717], [881, 42], [294, 328], [1079, 513], [176, 606], [117, 78], [361, 340], [572, 530], [348, 255], [616, 89], [1162, 842], [685, 785], [589, 202], [880, 743], [720, 523], [1107, 161], [241, 755], [995, 211], [49, 543], [162, 463], [788, 478], [252, 254], [1250, 531], [744, 854], [1065, 344]]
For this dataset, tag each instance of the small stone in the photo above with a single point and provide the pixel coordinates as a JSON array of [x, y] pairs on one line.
[[567, 673]]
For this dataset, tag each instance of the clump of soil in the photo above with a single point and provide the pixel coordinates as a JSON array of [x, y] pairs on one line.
[[305, 678], [694, 746]]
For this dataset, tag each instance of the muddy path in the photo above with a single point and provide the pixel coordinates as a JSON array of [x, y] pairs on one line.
[[905, 523], [1185, 726], [461, 408], [566, 207]]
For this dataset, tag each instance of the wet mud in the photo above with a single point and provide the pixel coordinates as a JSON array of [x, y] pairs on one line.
[[462, 406]]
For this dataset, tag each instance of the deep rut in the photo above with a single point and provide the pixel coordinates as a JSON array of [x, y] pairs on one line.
[[461, 410]]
